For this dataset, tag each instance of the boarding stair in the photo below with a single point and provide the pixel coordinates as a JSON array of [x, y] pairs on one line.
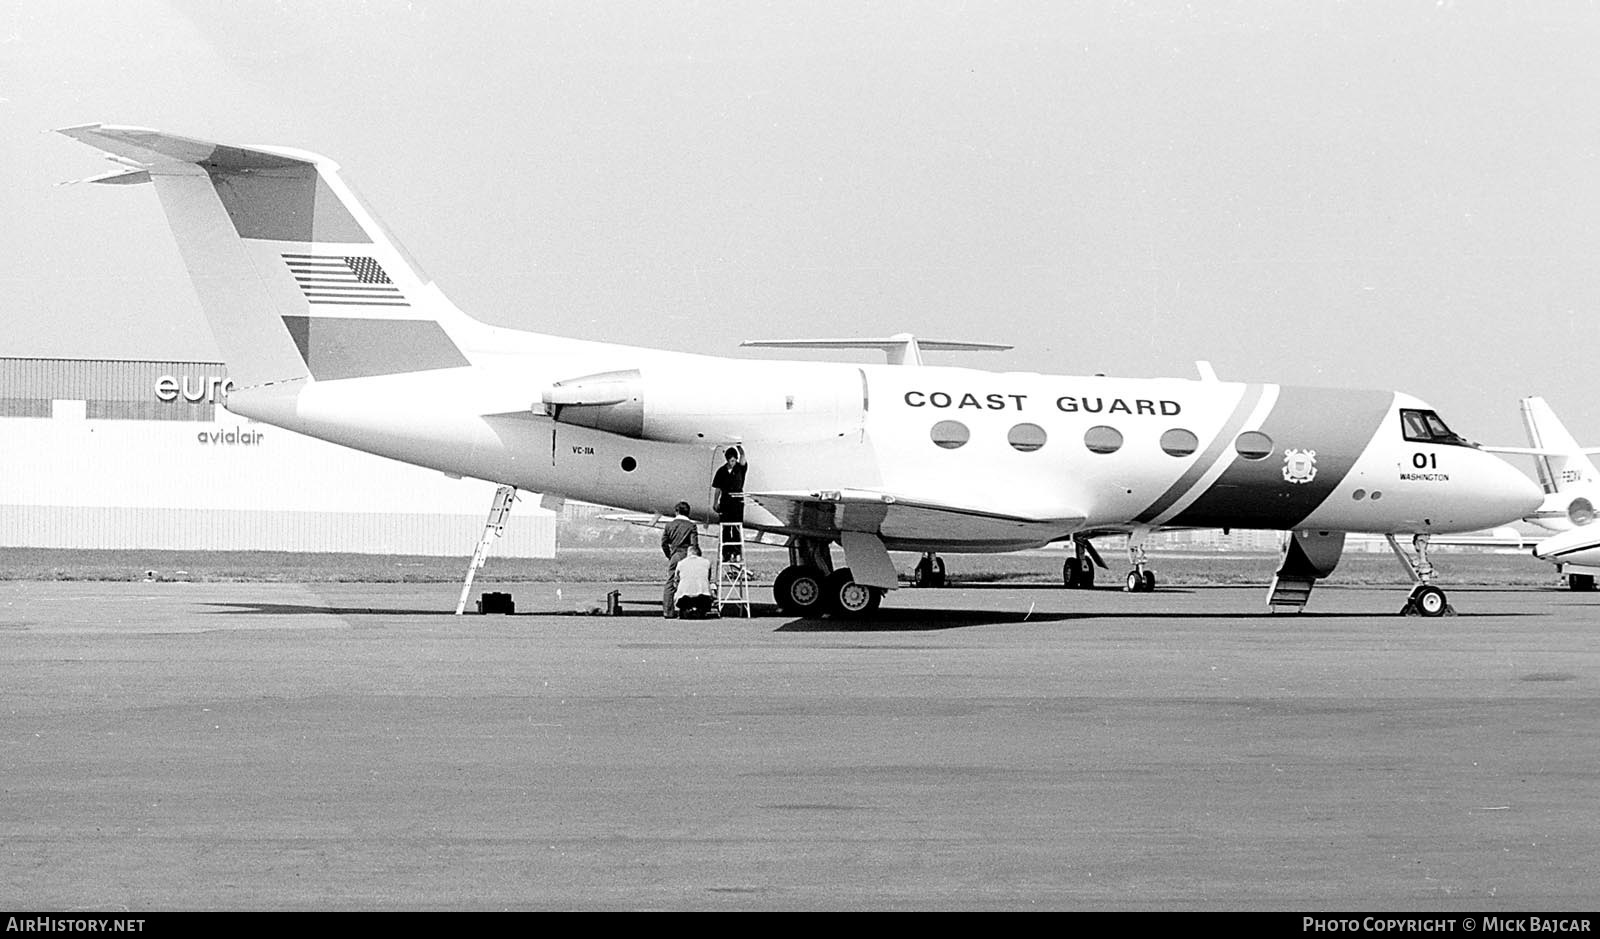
[[1308, 556], [1290, 593]]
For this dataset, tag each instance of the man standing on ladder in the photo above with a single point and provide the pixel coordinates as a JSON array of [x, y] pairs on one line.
[[679, 535], [727, 500], [727, 488]]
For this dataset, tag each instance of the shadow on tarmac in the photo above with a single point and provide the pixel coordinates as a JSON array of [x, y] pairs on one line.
[[889, 621], [883, 620], [304, 609]]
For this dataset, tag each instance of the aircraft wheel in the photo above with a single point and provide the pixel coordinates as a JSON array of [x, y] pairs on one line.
[[1069, 573], [1429, 601], [1149, 581], [1580, 581], [938, 572], [798, 590], [1085, 573], [845, 597], [1135, 582]]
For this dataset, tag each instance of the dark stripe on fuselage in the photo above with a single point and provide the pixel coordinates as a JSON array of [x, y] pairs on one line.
[[1219, 446], [1335, 423]]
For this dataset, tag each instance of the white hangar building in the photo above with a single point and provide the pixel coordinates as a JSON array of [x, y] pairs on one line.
[[98, 453]]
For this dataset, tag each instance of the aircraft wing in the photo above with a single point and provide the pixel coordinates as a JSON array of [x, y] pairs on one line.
[[658, 522], [899, 349], [911, 521], [1505, 537], [1538, 451]]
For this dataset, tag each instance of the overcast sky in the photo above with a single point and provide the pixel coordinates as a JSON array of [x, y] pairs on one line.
[[1388, 195]]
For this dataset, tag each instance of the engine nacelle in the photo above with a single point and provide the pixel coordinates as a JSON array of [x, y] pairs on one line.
[[738, 401], [1564, 511], [610, 401]]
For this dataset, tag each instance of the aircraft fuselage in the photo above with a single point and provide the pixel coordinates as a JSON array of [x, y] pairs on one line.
[[1113, 452]]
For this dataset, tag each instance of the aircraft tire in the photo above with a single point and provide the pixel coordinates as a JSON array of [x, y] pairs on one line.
[[1069, 573], [798, 590], [938, 572], [1580, 581], [1429, 601], [844, 597], [1149, 581], [923, 576], [1135, 583]]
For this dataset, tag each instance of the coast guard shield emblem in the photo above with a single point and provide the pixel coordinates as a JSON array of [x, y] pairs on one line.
[[1299, 466]]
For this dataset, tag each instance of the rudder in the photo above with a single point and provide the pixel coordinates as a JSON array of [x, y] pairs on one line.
[[295, 277], [1564, 464]]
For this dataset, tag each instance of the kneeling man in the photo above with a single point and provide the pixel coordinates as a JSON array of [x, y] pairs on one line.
[[694, 598]]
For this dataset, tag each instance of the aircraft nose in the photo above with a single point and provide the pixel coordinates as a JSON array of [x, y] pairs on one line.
[[1513, 494]]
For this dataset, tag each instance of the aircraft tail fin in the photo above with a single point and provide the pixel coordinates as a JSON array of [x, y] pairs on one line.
[[1562, 464], [296, 278]]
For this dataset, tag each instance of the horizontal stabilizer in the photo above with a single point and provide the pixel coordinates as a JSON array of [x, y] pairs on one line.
[[122, 177], [297, 279], [157, 149]]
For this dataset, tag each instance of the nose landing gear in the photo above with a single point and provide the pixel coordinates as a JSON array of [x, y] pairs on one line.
[[1425, 599], [1141, 579]]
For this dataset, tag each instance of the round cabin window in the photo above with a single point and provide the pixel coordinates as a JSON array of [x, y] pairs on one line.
[[1103, 439], [1179, 442], [1026, 437], [1253, 445], [950, 434]]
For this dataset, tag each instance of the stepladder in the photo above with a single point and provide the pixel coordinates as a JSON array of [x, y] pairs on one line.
[[733, 579], [498, 510]]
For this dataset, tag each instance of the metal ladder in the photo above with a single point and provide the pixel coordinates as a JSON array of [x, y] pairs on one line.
[[733, 580], [498, 510]]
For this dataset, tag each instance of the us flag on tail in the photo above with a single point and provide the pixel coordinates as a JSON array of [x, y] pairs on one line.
[[343, 281]]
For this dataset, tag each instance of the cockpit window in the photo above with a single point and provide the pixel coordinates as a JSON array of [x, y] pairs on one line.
[[1427, 427]]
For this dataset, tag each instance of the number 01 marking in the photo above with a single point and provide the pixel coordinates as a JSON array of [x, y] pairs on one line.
[[1425, 460]]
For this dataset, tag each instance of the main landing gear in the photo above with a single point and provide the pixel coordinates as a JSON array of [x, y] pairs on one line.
[[810, 586], [1141, 579], [929, 571], [1077, 572], [1425, 599]]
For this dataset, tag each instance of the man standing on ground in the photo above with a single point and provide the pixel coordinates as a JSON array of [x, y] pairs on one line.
[[676, 540]]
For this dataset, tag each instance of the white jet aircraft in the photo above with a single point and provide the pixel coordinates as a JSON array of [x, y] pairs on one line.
[[330, 330], [1572, 487]]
